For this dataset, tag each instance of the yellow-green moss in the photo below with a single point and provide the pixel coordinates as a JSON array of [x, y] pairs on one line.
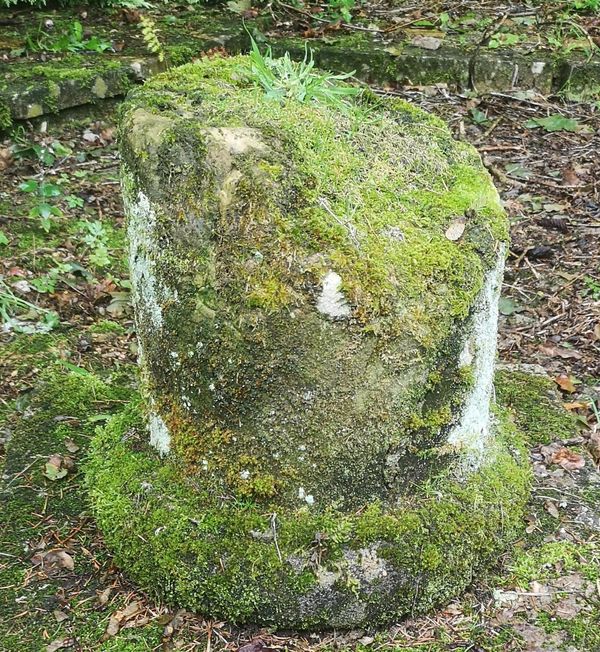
[[350, 178], [244, 561], [534, 403]]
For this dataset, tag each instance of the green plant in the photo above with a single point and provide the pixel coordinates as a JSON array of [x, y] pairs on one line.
[[22, 316], [340, 9], [71, 40], [284, 79], [592, 287], [503, 40], [43, 192], [585, 6], [47, 283], [150, 35], [96, 239]]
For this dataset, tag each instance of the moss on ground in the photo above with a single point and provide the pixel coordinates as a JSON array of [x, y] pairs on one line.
[[38, 515], [534, 403]]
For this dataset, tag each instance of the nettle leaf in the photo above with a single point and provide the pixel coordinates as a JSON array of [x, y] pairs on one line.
[[50, 190], [29, 186], [3, 238], [556, 122]]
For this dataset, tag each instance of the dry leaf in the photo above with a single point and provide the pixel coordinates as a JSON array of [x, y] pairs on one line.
[[58, 559], [60, 615], [119, 618], [59, 644], [552, 509], [560, 352], [593, 446], [6, 158], [456, 229], [103, 597], [570, 177], [566, 383], [576, 405], [567, 459], [70, 445]]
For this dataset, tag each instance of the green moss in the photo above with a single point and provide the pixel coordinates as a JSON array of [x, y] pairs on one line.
[[581, 630], [107, 326], [551, 560], [384, 164], [62, 404], [243, 561], [5, 115], [534, 403]]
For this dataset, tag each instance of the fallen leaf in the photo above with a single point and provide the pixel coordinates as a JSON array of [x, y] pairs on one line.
[[6, 158], [255, 645], [59, 615], [559, 352], [566, 383], [53, 560], [119, 618], [104, 595], [552, 509], [456, 229], [593, 445], [570, 177], [59, 644], [567, 459], [70, 445], [576, 405], [55, 469]]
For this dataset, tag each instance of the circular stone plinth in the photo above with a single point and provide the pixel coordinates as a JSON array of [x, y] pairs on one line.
[[315, 289]]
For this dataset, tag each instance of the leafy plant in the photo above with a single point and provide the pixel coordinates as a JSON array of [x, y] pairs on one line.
[[585, 6], [503, 40], [556, 122], [43, 192], [45, 154], [150, 35], [71, 40], [284, 79], [96, 239], [593, 287], [341, 9]]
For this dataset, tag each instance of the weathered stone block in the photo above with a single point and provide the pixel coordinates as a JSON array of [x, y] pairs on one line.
[[315, 290]]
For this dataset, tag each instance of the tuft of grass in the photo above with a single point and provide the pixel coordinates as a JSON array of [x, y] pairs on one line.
[[282, 78]]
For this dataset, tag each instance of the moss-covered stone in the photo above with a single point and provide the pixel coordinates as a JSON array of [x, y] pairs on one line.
[[240, 208], [317, 354]]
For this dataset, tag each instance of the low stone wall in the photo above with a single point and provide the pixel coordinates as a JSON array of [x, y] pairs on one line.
[[30, 90]]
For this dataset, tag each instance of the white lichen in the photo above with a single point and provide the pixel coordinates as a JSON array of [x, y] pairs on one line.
[[149, 294], [472, 431], [331, 301], [159, 434]]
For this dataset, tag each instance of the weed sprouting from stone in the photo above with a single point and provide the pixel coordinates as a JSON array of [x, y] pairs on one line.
[[282, 78]]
